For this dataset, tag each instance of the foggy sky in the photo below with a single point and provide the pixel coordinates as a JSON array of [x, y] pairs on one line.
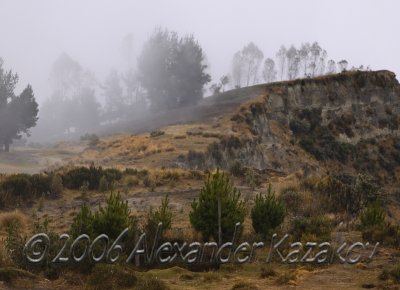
[[34, 33]]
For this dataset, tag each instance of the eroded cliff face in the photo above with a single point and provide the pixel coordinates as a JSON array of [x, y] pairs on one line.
[[344, 120], [362, 98]]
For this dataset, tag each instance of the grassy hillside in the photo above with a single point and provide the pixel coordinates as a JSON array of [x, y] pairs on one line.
[[328, 148]]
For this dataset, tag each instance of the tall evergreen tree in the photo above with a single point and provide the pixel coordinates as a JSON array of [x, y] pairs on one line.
[[17, 113], [172, 70]]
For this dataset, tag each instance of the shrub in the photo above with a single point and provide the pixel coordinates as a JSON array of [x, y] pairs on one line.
[[103, 184], [156, 133], [215, 152], [113, 218], [148, 181], [387, 234], [347, 193], [318, 228], [56, 185], [204, 213], [112, 174], [18, 186], [236, 168], [251, 179], [292, 199], [131, 171], [268, 213], [299, 127], [82, 222], [11, 219], [391, 273], [94, 140], [76, 177], [196, 159], [131, 181], [14, 243], [267, 272], [41, 184], [162, 215], [286, 277], [373, 215], [84, 190]]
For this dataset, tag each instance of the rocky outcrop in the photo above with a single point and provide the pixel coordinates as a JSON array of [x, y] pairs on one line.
[[307, 123]]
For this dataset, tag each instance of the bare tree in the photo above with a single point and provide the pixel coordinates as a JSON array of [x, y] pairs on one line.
[[343, 65], [113, 93], [293, 62], [331, 67], [304, 54], [224, 80], [316, 52], [281, 57], [237, 69], [253, 57], [269, 72], [321, 64]]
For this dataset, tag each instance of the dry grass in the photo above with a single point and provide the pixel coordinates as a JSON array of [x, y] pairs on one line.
[[13, 218], [130, 148]]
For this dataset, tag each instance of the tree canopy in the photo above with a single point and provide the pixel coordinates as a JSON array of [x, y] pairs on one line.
[[172, 70], [17, 113]]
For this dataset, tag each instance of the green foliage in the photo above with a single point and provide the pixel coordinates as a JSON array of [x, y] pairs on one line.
[[56, 185], [268, 213], [162, 215], [76, 177], [18, 112], [391, 273], [112, 174], [316, 228], [384, 233], [299, 127], [156, 133], [82, 222], [113, 218], [251, 179], [320, 140], [84, 189], [41, 184], [14, 243], [204, 213], [103, 184], [343, 193], [172, 70], [18, 186], [373, 215]]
